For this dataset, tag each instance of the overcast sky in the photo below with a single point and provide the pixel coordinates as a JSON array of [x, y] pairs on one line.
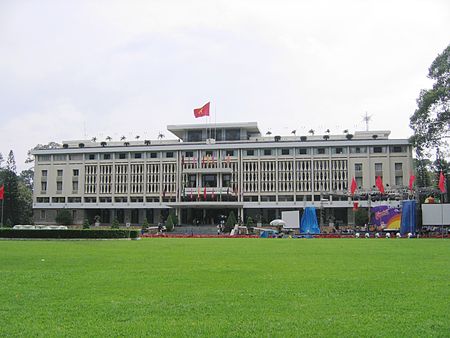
[[70, 69]]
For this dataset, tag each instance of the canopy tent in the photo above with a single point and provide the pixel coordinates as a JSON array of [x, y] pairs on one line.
[[308, 224], [408, 223]]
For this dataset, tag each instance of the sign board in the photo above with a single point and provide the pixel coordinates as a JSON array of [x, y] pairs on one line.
[[436, 214], [292, 219]]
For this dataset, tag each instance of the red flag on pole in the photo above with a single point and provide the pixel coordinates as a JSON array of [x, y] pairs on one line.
[[204, 193], [412, 178], [355, 206], [353, 186], [442, 182], [203, 111], [2, 192], [379, 184], [212, 194]]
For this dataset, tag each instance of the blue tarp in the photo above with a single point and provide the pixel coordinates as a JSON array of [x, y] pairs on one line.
[[308, 224], [408, 223]]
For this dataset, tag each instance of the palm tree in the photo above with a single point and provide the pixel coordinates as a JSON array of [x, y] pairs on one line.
[[126, 144], [294, 132], [327, 131], [269, 133], [160, 136], [311, 131], [137, 137], [147, 142], [94, 139], [123, 138], [108, 138], [103, 143], [346, 131]]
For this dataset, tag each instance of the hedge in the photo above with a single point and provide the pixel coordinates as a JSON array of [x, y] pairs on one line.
[[78, 233]]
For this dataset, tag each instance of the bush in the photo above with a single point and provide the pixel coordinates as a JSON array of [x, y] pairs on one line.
[[64, 217], [145, 225], [169, 224], [361, 217], [86, 224], [249, 224], [231, 221], [76, 233], [115, 224]]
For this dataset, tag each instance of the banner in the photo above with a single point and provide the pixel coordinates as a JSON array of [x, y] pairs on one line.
[[385, 217]]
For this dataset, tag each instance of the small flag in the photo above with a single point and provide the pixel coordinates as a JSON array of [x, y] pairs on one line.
[[198, 193], [412, 178], [442, 183], [355, 206], [203, 111], [379, 184], [353, 186], [212, 194], [2, 192], [204, 193], [192, 197]]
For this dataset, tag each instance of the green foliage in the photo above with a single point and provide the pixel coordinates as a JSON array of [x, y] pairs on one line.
[[64, 217], [361, 217], [115, 224], [12, 206], [86, 224], [76, 233], [249, 222], [145, 224], [231, 221], [169, 223], [319, 288], [430, 121]]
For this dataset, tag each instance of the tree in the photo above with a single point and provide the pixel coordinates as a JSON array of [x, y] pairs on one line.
[[249, 224], [64, 217], [431, 120], [115, 224], [145, 224], [27, 176], [11, 162], [11, 204], [361, 217], [86, 224], [169, 223], [231, 221], [1, 160]]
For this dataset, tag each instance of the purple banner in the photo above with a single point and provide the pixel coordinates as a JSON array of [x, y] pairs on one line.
[[385, 217]]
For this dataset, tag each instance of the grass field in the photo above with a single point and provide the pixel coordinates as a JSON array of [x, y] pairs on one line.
[[225, 287]]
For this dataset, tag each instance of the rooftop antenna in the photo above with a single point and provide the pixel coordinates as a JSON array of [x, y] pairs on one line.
[[367, 118]]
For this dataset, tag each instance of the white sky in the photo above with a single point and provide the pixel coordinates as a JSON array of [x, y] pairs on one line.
[[98, 68]]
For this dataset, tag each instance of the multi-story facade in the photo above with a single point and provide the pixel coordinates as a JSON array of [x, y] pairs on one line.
[[210, 170]]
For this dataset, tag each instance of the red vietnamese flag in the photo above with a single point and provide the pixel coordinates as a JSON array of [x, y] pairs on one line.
[[442, 183], [379, 184], [2, 192], [412, 178], [355, 206], [203, 111], [353, 186], [204, 193]]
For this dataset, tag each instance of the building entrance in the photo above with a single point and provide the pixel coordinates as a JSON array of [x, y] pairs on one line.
[[205, 216]]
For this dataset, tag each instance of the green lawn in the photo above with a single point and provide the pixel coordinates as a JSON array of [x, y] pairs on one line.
[[225, 287]]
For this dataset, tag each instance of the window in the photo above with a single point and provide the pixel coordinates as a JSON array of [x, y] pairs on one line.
[[75, 186], [76, 172], [169, 154], [194, 135], [192, 181], [59, 172], [399, 180], [358, 150], [74, 199], [58, 199], [303, 151], [75, 157], [229, 152], [398, 166], [226, 180], [106, 156], [43, 186], [398, 149], [378, 167], [43, 158], [153, 155], [359, 181], [377, 150], [59, 157], [44, 173], [90, 156], [232, 134], [358, 167], [285, 151], [209, 180], [189, 154], [250, 152], [209, 153], [137, 155], [339, 150], [267, 152], [59, 186], [42, 214], [122, 156], [43, 199], [321, 151]]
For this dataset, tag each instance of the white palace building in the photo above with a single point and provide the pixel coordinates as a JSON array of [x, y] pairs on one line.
[[207, 172]]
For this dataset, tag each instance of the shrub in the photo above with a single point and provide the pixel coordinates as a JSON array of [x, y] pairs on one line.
[[115, 224], [249, 222], [169, 223], [145, 224], [64, 217], [86, 224], [231, 221], [361, 217], [75, 233]]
